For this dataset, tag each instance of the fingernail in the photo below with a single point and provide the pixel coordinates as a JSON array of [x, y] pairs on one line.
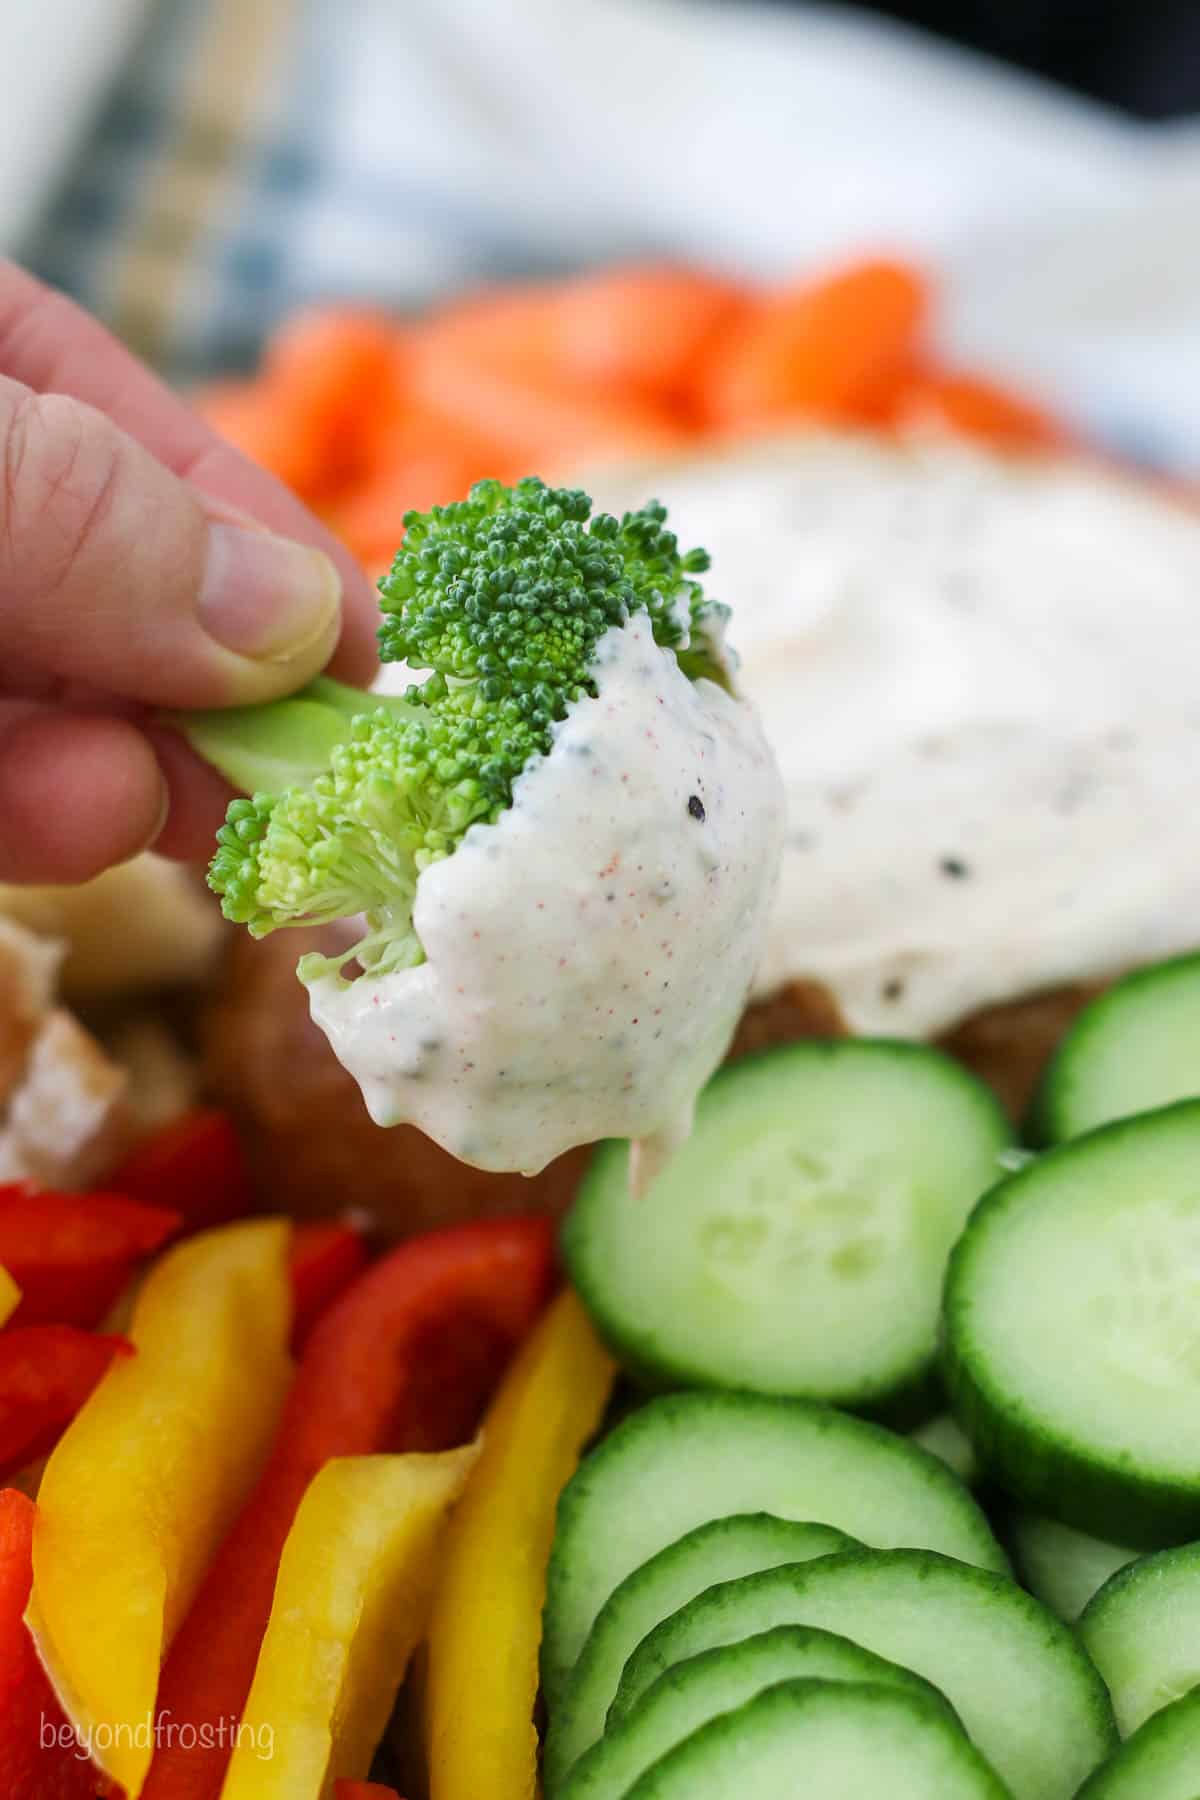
[[265, 596]]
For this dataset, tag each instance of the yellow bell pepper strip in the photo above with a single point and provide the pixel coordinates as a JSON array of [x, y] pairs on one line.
[[150, 1474], [351, 1605], [10, 1296], [402, 1362], [486, 1624]]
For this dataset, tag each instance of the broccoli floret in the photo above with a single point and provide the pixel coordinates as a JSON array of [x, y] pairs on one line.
[[503, 598]]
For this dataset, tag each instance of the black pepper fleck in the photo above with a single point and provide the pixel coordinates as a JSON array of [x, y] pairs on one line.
[[955, 868], [893, 989], [696, 807]]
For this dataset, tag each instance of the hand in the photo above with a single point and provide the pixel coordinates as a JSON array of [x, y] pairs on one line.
[[143, 564]]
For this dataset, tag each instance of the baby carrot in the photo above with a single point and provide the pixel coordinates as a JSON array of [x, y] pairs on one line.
[[642, 331], [541, 424], [974, 406], [820, 350]]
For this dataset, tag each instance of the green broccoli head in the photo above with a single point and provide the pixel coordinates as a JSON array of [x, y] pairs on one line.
[[513, 588], [503, 598]]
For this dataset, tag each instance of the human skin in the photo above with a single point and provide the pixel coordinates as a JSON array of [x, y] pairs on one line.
[[144, 563]]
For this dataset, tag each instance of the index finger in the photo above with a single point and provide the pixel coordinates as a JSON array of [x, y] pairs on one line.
[[53, 346]]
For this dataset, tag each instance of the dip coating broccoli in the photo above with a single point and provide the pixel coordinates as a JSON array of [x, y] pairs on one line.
[[503, 598]]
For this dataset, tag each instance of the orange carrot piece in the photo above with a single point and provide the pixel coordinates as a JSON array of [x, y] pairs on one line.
[[338, 372], [491, 370], [335, 354], [343, 373], [420, 461], [510, 328], [257, 420], [541, 424], [642, 330], [631, 333], [936, 402], [309, 413], [822, 350]]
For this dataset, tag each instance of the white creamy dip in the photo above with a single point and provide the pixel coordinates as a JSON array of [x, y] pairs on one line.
[[981, 680], [588, 955]]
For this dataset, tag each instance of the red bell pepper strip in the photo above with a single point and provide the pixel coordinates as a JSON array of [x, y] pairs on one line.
[[39, 1754], [326, 1257], [363, 1790], [72, 1254], [458, 1300], [46, 1374], [195, 1165]]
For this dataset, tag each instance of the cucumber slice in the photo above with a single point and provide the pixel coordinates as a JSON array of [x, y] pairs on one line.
[[1161, 1761], [719, 1551], [1072, 1334], [829, 1741], [1062, 1566], [809, 1218], [685, 1459], [945, 1438], [715, 1682], [1134, 1049], [1027, 1694], [1142, 1631]]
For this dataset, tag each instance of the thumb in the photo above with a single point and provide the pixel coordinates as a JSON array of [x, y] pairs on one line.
[[115, 572]]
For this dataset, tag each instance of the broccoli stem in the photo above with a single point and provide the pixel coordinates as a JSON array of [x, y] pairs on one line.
[[285, 743]]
